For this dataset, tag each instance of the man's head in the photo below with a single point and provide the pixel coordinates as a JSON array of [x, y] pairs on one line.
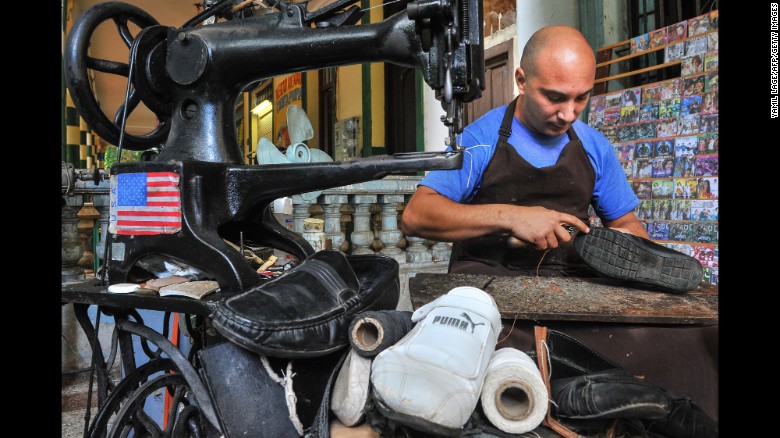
[[554, 79]]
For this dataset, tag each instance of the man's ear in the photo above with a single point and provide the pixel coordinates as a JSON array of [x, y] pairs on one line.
[[520, 79]]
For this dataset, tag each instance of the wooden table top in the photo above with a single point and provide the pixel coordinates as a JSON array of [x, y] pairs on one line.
[[575, 299]]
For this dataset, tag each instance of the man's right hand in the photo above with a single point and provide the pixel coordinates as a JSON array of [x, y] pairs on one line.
[[543, 228]]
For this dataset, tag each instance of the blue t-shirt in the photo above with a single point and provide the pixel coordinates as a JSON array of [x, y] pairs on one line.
[[612, 194]]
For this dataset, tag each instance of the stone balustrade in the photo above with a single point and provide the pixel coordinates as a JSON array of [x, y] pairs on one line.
[[363, 218]]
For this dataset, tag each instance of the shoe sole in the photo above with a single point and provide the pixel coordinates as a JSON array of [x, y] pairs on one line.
[[615, 255]]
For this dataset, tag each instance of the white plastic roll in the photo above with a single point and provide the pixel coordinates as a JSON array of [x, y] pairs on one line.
[[513, 396]]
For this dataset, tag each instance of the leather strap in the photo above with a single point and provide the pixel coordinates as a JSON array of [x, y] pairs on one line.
[[506, 123], [540, 335]]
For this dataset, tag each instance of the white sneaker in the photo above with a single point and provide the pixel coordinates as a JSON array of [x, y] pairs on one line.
[[350, 391], [431, 379]]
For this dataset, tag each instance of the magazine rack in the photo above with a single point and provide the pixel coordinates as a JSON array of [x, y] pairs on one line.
[[665, 135], [604, 62]]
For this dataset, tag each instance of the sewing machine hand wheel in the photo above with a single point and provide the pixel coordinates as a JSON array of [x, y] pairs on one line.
[[78, 62]]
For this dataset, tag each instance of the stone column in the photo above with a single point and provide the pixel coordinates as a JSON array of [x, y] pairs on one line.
[[417, 252], [440, 251], [390, 234], [300, 212], [362, 236], [332, 216]]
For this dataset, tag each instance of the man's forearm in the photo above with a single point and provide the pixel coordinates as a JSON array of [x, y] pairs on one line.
[[628, 223], [437, 218]]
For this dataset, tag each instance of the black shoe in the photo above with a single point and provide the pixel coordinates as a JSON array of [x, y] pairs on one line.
[[607, 395], [631, 258], [685, 421], [307, 311]]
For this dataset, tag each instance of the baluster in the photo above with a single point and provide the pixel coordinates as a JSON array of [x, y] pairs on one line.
[[440, 251], [332, 217], [390, 234], [362, 236], [417, 252], [300, 212]]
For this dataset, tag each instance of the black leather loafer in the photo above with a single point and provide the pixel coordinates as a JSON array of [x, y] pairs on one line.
[[307, 311], [685, 421], [608, 395], [639, 261]]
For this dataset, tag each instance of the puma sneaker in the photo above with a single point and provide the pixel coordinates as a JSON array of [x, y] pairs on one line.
[[431, 379]]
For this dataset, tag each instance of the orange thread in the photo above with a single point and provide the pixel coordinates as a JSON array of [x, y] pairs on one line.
[[540, 262], [510, 329]]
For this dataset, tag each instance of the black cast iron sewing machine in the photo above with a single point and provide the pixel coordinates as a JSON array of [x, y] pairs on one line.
[[190, 78]]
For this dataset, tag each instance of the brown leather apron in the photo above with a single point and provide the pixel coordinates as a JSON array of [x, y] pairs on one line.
[[566, 186]]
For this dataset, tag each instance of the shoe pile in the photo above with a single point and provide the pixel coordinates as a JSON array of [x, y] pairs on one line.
[[431, 379]]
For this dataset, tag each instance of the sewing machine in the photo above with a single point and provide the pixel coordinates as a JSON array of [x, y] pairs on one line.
[[191, 76]]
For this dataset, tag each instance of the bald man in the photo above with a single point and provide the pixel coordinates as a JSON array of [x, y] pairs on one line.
[[531, 167]]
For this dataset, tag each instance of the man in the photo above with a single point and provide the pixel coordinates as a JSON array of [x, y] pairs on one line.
[[523, 187], [530, 171]]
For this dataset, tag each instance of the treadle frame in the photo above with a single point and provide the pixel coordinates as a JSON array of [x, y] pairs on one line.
[[123, 307]]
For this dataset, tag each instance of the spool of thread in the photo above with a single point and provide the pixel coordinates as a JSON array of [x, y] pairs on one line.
[[514, 398], [372, 332]]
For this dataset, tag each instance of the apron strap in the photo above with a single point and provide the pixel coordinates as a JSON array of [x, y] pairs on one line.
[[506, 125]]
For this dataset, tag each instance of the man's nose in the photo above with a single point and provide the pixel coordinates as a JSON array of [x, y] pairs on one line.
[[568, 112]]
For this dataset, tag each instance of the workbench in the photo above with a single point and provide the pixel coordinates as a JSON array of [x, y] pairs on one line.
[[576, 299]]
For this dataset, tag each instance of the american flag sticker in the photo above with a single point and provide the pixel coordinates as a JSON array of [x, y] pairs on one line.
[[145, 203]]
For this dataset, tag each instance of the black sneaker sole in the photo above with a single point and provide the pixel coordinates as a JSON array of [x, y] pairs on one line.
[[626, 257]]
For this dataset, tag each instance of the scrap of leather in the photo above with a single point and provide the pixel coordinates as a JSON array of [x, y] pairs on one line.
[[540, 334]]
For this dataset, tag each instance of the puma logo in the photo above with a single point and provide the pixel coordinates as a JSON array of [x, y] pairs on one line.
[[459, 323], [473, 324]]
